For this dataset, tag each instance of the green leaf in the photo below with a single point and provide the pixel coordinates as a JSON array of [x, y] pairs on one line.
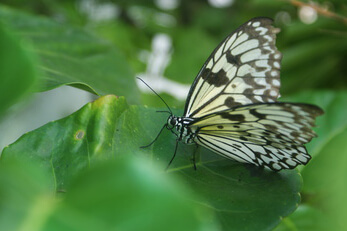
[[125, 194], [326, 186], [18, 72], [26, 196], [72, 56], [68, 145], [242, 196], [305, 218], [129, 195]]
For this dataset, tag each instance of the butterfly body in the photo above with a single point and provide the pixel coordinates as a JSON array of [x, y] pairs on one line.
[[232, 106], [183, 131]]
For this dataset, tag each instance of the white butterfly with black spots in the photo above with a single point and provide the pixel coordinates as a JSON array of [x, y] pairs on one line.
[[231, 107]]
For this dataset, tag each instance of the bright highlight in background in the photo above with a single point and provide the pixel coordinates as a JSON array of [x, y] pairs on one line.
[[220, 3], [307, 14], [167, 4]]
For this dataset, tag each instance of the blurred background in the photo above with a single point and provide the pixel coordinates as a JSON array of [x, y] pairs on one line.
[[167, 41]]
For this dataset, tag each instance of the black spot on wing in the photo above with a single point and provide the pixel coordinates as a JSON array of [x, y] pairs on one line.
[[256, 114], [251, 82], [216, 79], [305, 129], [270, 127], [235, 60], [295, 134], [230, 102], [233, 117]]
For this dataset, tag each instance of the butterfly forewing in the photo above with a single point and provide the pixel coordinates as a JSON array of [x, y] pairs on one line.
[[231, 107], [271, 135], [243, 69]]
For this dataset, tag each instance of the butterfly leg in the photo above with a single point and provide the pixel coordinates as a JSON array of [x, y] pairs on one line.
[[194, 156], [146, 146], [173, 157]]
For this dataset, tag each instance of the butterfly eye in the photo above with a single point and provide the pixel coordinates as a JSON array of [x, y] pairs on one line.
[[173, 122]]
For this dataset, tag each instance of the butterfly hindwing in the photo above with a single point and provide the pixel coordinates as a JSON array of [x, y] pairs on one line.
[[243, 69], [271, 135], [232, 105]]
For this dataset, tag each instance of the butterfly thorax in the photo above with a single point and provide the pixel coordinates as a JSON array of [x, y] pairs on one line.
[[180, 126]]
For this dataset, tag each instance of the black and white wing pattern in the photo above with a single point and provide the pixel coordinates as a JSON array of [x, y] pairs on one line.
[[232, 105], [271, 135], [243, 69]]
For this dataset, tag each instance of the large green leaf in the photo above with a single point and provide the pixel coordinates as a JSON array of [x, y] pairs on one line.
[[129, 196], [68, 145], [18, 73], [26, 196], [73, 56], [306, 218], [125, 194], [326, 187], [243, 197]]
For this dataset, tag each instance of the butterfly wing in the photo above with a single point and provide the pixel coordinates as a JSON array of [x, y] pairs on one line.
[[243, 69], [271, 135]]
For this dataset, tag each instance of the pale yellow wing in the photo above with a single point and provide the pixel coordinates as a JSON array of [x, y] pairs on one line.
[[271, 135]]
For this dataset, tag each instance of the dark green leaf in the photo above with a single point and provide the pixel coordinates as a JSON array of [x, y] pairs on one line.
[[72, 56], [129, 195], [126, 194], [18, 72], [325, 179], [307, 219], [68, 145], [26, 198]]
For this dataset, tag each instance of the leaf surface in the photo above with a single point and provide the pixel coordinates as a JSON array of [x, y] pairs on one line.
[[72, 56], [243, 197]]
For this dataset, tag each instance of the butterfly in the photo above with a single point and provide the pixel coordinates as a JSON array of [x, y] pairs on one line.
[[232, 106]]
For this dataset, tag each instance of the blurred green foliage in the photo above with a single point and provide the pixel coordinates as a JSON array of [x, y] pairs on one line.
[[125, 194], [71, 56], [84, 173], [19, 77]]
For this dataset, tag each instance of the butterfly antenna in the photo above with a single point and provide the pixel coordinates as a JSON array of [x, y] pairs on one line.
[[155, 93], [164, 111]]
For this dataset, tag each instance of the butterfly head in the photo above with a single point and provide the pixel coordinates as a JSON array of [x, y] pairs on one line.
[[172, 121]]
